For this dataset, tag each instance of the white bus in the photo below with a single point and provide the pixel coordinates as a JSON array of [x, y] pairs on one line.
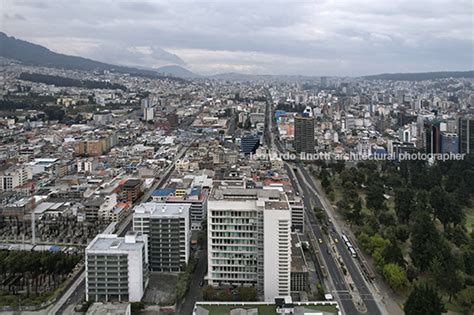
[[344, 238], [353, 252]]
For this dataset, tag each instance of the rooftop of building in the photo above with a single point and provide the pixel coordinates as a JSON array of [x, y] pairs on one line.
[[298, 262], [156, 209], [109, 308], [112, 242], [223, 192], [261, 308], [276, 205], [131, 183]]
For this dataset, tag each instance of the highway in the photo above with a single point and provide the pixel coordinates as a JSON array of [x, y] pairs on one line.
[[339, 288], [360, 293], [370, 298]]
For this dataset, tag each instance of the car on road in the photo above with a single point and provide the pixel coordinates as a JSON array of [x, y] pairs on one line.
[[320, 241], [336, 240], [201, 283]]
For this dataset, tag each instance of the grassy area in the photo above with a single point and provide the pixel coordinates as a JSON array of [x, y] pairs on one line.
[[264, 309], [470, 219]]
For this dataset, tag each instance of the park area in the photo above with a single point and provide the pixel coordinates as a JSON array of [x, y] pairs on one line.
[[32, 278]]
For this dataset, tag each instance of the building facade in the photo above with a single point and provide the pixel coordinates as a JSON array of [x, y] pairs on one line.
[[304, 132], [249, 240], [466, 135], [117, 268], [168, 230]]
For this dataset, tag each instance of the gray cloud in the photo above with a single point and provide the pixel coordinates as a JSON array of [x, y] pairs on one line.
[[15, 16], [341, 37]]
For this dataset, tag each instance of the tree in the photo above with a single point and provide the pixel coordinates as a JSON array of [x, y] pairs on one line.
[[224, 295], [356, 215], [465, 299], [424, 300], [375, 198], [404, 199], [445, 207], [425, 241], [393, 254], [395, 275], [454, 282], [208, 293], [248, 293]]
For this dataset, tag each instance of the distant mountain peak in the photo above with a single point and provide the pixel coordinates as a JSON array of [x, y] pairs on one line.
[[37, 55], [177, 71]]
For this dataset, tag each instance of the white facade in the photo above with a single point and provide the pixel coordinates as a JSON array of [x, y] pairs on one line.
[[277, 253], [249, 240], [14, 177], [103, 263], [148, 113]]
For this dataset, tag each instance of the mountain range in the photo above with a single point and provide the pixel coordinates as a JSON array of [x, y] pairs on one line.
[[37, 55]]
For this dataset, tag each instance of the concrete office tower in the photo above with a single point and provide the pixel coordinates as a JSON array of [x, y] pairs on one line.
[[249, 240], [304, 132], [466, 135], [196, 197], [432, 133], [276, 249], [168, 230], [249, 144], [117, 268]]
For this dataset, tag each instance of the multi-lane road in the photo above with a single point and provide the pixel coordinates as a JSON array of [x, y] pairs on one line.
[[352, 291], [344, 293]]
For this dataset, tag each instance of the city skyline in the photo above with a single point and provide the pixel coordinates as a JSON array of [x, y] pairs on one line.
[[207, 37]]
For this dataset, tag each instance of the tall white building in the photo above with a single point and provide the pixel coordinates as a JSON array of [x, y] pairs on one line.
[[14, 176], [249, 240], [276, 250], [168, 230], [117, 268]]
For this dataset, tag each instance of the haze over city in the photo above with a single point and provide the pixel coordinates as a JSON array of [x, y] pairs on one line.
[[344, 38], [237, 157]]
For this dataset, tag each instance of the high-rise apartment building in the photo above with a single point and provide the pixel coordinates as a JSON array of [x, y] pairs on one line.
[[169, 236], [432, 134], [249, 240], [249, 143], [117, 268], [304, 132], [196, 197], [466, 135]]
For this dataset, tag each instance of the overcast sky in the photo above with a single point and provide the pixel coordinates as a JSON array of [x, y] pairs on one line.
[[319, 37]]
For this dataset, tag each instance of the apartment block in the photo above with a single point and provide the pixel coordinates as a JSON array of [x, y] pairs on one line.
[[168, 229], [196, 197], [13, 176], [117, 268], [304, 132], [249, 240]]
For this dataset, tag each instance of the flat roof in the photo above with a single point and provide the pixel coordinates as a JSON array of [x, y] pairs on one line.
[[108, 308], [104, 242], [298, 262], [160, 209]]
